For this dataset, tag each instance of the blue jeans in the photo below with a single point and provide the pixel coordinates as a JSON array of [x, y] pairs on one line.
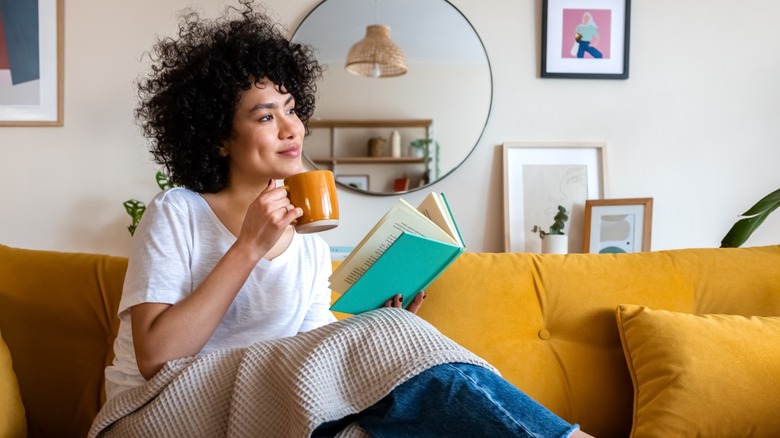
[[585, 47], [455, 400]]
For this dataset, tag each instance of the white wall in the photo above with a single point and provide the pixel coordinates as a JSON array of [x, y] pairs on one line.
[[696, 125]]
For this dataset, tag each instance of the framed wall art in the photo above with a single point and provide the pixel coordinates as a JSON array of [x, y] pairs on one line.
[[31, 46], [359, 182], [538, 177], [616, 226], [585, 38]]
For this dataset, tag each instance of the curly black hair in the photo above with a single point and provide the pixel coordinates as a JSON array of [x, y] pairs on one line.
[[189, 97]]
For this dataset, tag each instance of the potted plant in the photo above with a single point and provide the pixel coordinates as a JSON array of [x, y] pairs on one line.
[[421, 147], [750, 221], [135, 208], [554, 241]]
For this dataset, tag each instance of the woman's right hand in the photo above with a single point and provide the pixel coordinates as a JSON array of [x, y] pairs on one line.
[[267, 218], [398, 299]]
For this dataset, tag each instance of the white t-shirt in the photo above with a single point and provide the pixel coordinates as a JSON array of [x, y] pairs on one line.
[[178, 243]]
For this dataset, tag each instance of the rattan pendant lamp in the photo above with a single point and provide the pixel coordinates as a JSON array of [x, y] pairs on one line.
[[376, 55]]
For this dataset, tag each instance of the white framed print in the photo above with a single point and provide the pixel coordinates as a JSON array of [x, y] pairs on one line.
[[359, 182], [538, 177]]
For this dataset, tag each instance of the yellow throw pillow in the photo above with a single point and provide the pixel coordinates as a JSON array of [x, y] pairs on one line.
[[12, 421], [702, 375]]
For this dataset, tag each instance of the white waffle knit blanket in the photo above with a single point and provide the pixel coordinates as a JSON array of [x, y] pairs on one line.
[[286, 387]]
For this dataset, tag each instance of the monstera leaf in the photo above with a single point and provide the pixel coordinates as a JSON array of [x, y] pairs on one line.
[[750, 221], [136, 208]]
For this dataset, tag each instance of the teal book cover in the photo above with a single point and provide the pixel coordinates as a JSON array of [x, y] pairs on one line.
[[408, 266]]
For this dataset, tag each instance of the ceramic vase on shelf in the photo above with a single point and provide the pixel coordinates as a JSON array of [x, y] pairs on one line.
[[555, 244], [395, 144]]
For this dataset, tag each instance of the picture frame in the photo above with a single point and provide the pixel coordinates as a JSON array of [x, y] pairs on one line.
[[358, 182], [31, 64], [540, 176], [587, 39], [614, 226]]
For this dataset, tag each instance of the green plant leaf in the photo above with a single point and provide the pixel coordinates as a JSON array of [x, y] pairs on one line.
[[751, 220], [162, 181], [135, 209]]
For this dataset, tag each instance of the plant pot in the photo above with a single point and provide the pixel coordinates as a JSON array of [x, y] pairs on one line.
[[555, 244], [416, 152]]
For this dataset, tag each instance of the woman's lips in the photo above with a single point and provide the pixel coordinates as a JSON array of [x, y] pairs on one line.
[[291, 151]]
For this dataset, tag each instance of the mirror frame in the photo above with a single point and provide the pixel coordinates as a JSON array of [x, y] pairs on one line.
[[476, 142]]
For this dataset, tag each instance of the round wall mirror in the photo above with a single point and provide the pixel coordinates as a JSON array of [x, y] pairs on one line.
[[388, 135]]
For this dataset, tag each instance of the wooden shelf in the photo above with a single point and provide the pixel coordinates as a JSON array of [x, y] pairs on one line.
[[369, 160], [344, 137], [377, 123]]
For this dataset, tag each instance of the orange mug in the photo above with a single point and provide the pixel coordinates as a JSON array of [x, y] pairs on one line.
[[315, 193]]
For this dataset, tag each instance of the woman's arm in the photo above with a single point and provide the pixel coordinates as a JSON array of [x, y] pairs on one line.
[[163, 332]]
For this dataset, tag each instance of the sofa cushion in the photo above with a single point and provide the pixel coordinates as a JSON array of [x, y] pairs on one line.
[[12, 422], [58, 318], [702, 375]]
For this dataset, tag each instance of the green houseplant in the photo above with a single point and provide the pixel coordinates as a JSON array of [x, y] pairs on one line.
[[750, 220], [554, 241], [424, 145], [135, 208], [559, 222]]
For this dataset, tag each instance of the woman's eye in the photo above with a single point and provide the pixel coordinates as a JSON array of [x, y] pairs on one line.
[[292, 111], [265, 118]]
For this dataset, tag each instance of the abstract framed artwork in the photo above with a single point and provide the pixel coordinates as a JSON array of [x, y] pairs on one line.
[[616, 226], [538, 177], [585, 38], [31, 62], [359, 182]]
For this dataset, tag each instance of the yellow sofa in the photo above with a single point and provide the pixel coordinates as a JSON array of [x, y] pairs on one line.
[[547, 322]]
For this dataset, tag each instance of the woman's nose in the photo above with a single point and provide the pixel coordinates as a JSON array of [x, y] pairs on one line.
[[287, 126]]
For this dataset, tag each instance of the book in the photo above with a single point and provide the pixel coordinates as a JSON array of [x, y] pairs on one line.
[[402, 254], [401, 184]]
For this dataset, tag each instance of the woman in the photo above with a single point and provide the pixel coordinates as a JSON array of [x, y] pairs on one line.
[[588, 37], [216, 263]]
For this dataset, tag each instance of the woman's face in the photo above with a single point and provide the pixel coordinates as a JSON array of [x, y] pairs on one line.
[[267, 138], [585, 19]]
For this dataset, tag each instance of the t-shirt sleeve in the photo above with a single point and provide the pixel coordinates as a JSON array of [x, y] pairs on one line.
[[319, 313], [159, 266]]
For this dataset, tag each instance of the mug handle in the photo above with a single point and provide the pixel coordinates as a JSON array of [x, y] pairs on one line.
[[286, 187]]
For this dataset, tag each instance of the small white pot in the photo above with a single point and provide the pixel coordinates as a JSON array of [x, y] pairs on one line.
[[555, 244]]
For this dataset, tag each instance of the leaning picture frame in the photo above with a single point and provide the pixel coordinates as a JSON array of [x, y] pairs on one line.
[[31, 63], [359, 182], [615, 226], [540, 176], [586, 39]]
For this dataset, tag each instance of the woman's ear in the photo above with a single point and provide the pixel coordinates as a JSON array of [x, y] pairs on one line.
[[223, 151]]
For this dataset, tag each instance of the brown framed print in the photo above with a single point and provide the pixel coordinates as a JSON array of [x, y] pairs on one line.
[[616, 226], [585, 39], [31, 46]]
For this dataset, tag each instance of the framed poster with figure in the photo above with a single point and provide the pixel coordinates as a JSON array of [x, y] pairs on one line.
[[616, 226], [585, 38]]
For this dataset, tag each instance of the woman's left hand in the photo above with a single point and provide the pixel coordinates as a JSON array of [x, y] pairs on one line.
[[414, 306]]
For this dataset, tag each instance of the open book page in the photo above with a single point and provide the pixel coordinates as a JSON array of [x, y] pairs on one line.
[[435, 209], [402, 217]]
